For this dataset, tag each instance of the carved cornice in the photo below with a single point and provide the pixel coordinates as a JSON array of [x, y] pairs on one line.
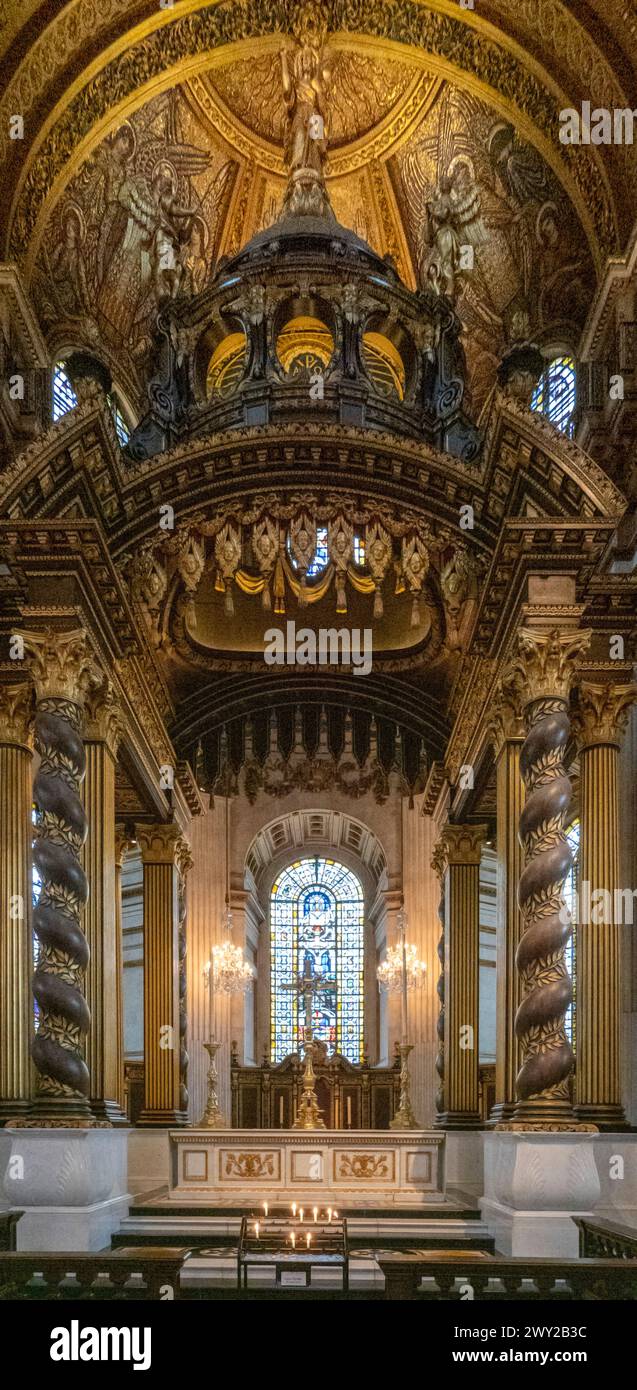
[[602, 713], [547, 661], [62, 664], [163, 844], [462, 844], [104, 717], [470, 716], [16, 714]]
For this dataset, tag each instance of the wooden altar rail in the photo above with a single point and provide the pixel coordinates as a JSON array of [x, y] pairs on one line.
[[350, 1097], [106, 1275], [520, 1279], [606, 1239]]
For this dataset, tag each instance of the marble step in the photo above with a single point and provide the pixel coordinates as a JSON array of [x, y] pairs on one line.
[[448, 1232]]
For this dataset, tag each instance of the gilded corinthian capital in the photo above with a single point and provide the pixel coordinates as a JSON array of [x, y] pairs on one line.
[[61, 664], [602, 712], [105, 721], [463, 843], [16, 713], [546, 662], [507, 720], [163, 844]]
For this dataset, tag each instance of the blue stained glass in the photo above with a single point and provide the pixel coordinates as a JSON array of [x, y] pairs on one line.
[[317, 917]]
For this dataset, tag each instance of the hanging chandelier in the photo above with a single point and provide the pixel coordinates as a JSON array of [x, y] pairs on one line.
[[390, 973], [228, 970]]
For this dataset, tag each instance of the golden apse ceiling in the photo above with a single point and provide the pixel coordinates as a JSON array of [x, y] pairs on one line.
[[397, 128]]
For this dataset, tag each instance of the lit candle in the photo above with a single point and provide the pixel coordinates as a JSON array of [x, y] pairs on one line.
[[335, 1214], [265, 1208], [329, 1213], [308, 1239], [349, 1112], [293, 1239], [280, 1112], [294, 1208], [301, 1215], [256, 1229], [315, 1213]]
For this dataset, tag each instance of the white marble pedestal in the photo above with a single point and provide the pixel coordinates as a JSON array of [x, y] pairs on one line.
[[534, 1184], [346, 1168], [70, 1184]]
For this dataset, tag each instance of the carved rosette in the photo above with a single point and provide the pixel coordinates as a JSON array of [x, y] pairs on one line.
[[546, 662], [61, 668], [438, 864]]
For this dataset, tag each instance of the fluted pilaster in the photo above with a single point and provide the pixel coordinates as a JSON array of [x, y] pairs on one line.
[[545, 662], [123, 843], [462, 851], [163, 849], [438, 864], [16, 750], [104, 1049], [601, 719]]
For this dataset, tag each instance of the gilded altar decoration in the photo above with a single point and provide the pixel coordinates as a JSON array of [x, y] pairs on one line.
[[363, 1165], [250, 1165]]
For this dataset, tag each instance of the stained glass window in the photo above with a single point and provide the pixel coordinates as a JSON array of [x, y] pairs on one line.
[[64, 397], [316, 923], [554, 395]]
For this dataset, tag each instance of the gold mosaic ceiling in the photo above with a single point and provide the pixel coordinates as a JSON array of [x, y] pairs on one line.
[[397, 127]]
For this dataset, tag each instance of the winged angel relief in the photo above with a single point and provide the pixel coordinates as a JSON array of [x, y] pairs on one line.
[[136, 226]]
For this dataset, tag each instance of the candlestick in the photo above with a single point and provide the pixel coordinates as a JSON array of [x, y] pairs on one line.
[[329, 1213], [280, 1112], [349, 1112], [315, 1213]]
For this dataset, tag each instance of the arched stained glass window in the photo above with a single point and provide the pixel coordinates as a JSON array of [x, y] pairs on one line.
[[64, 397], [554, 395], [316, 921]]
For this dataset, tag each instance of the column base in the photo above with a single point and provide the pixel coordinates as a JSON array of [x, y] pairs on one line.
[[458, 1119], [502, 1111], [534, 1185], [162, 1119], [606, 1118], [14, 1109], [47, 1112], [71, 1186], [109, 1112]]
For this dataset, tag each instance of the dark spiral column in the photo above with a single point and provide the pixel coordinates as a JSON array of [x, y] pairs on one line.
[[61, 662], [438, 863], [543, 1082]]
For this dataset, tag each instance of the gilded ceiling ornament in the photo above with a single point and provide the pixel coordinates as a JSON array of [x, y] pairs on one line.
[[415, 567], [265, 547], [302, 549], [378, 553], [340, 546], [228, 555]]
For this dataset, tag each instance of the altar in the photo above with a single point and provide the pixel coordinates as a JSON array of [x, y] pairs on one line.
[[338, 1168]]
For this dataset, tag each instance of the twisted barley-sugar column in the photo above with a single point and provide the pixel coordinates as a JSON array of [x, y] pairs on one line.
[[16, 752], [507, 732], [546, 662], [438, 864], [601, 718], [462, 852], [163, 849], [61, 667]]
